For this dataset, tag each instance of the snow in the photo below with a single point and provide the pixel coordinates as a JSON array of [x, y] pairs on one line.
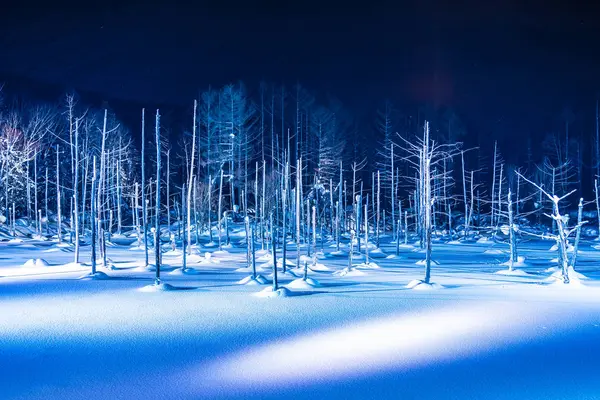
[[98, 275], [251, 280], [268, 292], [341, 333], [349, 272], [300, 283], [161, 287], [37, 262], [514, 272], [418, 284]]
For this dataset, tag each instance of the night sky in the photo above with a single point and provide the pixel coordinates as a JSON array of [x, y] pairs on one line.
[[496, 62]]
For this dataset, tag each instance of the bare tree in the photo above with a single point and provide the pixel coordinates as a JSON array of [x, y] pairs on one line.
[[425, 155]]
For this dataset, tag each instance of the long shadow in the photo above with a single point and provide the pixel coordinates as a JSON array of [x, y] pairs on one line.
[[339, 284], [297, 293]]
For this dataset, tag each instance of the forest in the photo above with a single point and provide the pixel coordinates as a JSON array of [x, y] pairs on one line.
[[275, 244], [289, 167]]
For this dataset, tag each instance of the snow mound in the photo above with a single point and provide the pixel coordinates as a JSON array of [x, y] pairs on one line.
[[171, 253], [161, 287], [391, 256], [377, 253], [514, 272], [370, 265], [300, 283], [484, 240], [318, 267], [520, 262], [250, 280], [181, 271], [349, 272], [418, 284], [146, 268], [575, 277], [269, 293], [338, 253], [454, 242], [96, 276], [249, 269], [36, 262], [494, 251]]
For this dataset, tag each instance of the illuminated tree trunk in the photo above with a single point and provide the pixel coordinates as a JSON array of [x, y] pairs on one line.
[[58, 198], [75, 195], [157, 204]]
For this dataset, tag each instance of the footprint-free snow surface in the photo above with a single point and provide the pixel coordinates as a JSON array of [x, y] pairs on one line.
[[369, 333]]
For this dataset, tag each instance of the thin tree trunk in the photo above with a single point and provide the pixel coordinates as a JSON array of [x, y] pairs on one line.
[[578, 234], [219, 216], [93, 216], [144, 200], [157, 204], [274, 249], [75, 195], [183, 239], [58, 199]]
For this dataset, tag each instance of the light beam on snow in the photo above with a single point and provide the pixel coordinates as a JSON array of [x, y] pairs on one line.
[[394, 342]]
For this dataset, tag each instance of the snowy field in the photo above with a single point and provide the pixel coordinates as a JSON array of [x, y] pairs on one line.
[[363, 335]]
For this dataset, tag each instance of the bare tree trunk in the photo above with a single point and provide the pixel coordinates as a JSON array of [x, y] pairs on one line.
[[308, 247], [58, 199], [393, 187], [499, 199], [35, 195], [183, 239], [284, 230], [252, 250], [219, 216], [196, 224], [358, 220], [597, 204], [157, 204], [298, 209], [314, 234], [378, 215], [190, 178], [75, 190], [578, 234], [274, 249], [512, 233], [405, 227], [464, 182], [144, 200], [168, 182], [427, 201], [367, 230], [99, 204], [93, 216], [137, 215], [46, 205], [262, 206], [493, 184]]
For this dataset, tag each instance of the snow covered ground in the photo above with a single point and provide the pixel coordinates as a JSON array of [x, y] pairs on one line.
[[478, 334]]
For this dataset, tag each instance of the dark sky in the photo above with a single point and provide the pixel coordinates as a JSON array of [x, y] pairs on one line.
[[488, 59]]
